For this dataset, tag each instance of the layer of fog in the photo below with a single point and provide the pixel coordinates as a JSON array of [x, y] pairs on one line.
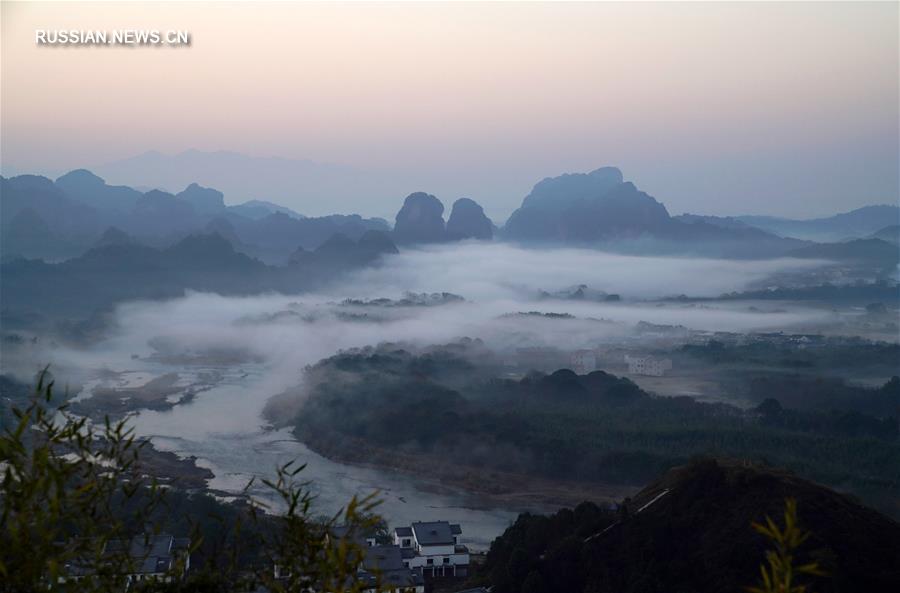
[[480, 272], [495, 279], [268, 340], [287, 332]]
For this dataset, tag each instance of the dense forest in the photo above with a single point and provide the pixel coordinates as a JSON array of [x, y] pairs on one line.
[[450, 404], [851, 355]]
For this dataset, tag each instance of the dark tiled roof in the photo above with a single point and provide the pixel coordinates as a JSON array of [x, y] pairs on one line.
[[433, 533], [354, 536], [403, 531], [401, 578], [383, 558], [147, 554]]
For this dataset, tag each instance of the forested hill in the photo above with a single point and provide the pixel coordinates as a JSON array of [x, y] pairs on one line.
[[691, 531], [446, 409]]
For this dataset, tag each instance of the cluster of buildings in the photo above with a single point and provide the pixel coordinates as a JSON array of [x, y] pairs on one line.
[[416, 553], [422, 551], [586, 361], [152, 558], [650, 366]]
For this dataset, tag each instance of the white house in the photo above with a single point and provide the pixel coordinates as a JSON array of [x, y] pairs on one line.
[[584, 361], [648, 365], [433, 547]]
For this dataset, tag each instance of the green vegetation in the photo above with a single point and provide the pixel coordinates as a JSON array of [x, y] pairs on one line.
[[592, 428], [779, 573], [69, 488]]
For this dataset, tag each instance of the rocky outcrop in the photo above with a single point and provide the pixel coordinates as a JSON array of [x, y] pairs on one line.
[[420, 220], [467, 221], [586, 207]]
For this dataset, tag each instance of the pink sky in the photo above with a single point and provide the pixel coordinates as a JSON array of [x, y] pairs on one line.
[[711, 107]]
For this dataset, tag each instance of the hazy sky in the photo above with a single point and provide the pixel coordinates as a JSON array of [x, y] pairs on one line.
[[723, 108]]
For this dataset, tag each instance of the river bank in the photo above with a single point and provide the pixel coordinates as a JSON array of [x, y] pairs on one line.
[[495, 488]]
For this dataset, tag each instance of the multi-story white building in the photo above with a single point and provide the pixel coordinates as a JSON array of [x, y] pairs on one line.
[[433, 547], [648, 365], [584, 361]]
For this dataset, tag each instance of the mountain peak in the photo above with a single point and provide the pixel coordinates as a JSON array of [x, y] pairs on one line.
[[467, 220], [585, 208], [420, 220], [203, 199], [556, 192], [114, 236], [81, 177], [612, 174]]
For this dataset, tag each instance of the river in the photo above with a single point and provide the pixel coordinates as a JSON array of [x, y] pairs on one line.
[[223, 428]]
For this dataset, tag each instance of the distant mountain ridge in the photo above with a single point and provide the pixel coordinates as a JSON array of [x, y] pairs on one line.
[[872, 250], [257, 209], [56, 220], [599, 209], [120, 269], [241, 177], [856, 223], [889, 233]]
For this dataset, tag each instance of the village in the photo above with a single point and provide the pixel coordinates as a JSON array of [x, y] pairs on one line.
[[410, 560]]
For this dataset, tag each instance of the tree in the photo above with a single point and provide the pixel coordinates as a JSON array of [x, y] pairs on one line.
[[307, 554], [68, 488]]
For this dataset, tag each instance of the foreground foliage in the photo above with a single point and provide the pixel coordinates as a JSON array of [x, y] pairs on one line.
[[780, 574], [69, 487]]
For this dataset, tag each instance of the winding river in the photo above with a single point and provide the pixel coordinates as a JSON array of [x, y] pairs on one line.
[[223, 428]]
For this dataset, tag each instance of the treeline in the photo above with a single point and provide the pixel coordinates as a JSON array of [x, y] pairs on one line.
[[851, 354], [880, 290]]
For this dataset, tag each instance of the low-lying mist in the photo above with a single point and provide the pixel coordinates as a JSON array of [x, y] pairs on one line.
[[287, 332], [258, 346], [481, 271]]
